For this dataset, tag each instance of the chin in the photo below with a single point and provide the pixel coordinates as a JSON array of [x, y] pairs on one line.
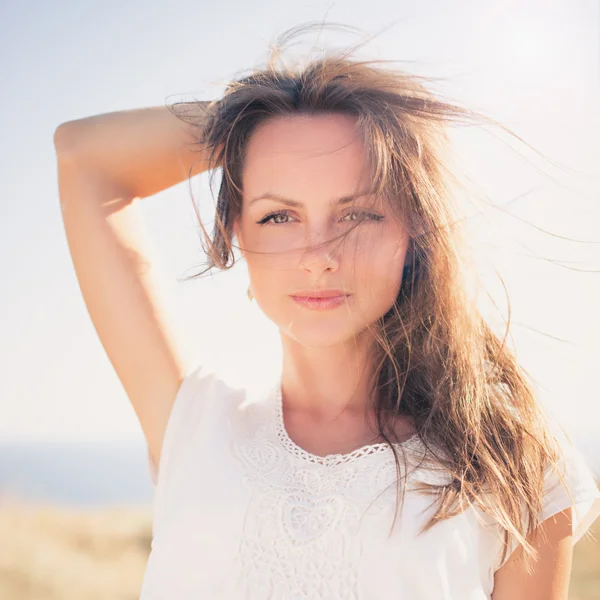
[[320, 334]]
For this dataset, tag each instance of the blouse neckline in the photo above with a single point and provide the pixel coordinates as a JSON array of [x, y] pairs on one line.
[[330, 459]]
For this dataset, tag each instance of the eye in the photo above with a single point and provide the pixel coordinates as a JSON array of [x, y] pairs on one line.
[[365, 215], [277, 217], [272, 216]]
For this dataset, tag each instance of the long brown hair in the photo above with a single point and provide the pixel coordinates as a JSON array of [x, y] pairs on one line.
[[438, 361]]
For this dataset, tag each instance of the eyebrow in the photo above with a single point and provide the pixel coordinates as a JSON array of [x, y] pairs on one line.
[[295, 203]]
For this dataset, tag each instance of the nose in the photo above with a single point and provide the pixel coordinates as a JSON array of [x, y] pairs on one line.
[[319, 257]]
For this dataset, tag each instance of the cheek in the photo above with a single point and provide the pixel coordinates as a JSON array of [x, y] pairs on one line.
[[379, 275], [377, 281], [381, 262]]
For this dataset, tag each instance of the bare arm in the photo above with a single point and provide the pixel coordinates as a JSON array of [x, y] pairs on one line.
[[551, 573], [145, 150], [104, 164]]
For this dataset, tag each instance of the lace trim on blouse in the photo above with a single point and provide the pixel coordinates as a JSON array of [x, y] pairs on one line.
[[412, 442]]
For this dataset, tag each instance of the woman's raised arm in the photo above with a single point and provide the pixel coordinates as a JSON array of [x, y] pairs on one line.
[[144, 150], [105, 164]]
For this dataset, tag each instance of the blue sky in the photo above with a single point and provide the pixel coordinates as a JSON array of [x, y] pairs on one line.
[[534, 67]]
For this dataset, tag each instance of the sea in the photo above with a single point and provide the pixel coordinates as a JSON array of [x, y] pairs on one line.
[[99, 473], [75, 473]]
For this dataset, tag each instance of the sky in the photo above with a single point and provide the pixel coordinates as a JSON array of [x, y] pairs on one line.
[[534, 67]]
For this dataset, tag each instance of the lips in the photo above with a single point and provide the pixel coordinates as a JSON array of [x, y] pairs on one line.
[[325, 303], [326, 293]]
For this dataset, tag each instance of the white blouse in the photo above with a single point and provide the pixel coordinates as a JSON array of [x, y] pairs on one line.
[[242, 512]]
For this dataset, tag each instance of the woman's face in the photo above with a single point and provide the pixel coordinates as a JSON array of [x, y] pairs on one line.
[[314, 161]]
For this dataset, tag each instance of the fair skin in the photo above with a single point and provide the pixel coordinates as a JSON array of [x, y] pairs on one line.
[[314, 161], [551, 572]]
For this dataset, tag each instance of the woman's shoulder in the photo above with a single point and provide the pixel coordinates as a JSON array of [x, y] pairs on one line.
[[205, 393], [570, 483]]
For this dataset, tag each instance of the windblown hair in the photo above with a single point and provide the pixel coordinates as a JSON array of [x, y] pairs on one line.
[[438, 362]]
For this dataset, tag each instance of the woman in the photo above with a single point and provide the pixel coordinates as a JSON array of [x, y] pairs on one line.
[[399, 451]]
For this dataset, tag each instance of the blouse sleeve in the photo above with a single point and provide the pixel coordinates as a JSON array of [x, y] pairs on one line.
[[186, 409], [581, 483]]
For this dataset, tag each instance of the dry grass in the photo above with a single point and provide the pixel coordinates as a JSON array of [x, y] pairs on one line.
[[48, 553], [585, 577]]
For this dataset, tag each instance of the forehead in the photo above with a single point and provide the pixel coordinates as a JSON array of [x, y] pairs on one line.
[[308, 155]]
